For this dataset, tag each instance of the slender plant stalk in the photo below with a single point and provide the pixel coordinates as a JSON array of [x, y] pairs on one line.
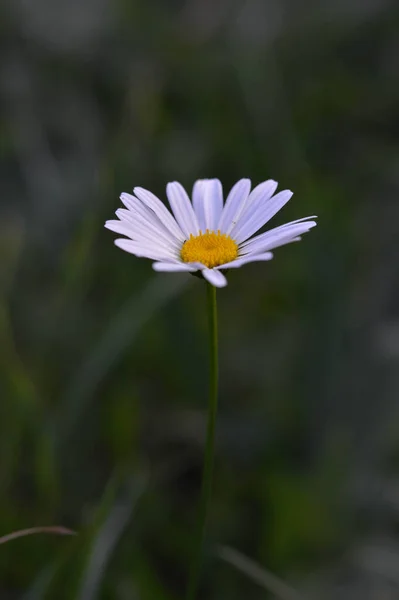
[[57, 529], [209, 447]]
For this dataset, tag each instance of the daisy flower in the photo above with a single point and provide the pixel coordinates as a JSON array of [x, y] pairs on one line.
[[205, 234]]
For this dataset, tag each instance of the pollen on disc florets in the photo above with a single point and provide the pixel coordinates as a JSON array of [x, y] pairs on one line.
[[211, 248]]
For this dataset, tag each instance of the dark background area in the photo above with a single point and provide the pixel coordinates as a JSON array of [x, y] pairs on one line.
[[104, 362]]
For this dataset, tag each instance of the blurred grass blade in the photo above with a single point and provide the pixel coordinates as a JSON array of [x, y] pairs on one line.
[[119, 335], [55, 529], [107, 538], [41, 584], [78, 568], [258, 574]]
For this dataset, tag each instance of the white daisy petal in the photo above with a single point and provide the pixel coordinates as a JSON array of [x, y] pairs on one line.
[[213, 203], [135, 219], [198, 203], [261, 193], [170, 267], [214, 277], [182, 208], [276, 237], [135, 204], [208, 203], [141, 227], [235, 264], [141, 236], [283, 242], [118, 227], [144, 250], [234, 205], [308, 220], [152, 232], [136, 207], [147, 203], [138, 234], [250, 223], [256, 199], [160, 210], [196, 265], [298, 221]]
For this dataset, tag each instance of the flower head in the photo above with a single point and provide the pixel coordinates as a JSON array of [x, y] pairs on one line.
[[205, 234]]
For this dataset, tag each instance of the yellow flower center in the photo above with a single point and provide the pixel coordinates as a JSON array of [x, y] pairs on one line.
[[209, 248]]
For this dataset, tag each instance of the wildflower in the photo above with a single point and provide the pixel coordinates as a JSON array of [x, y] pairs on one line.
[[205, 234]]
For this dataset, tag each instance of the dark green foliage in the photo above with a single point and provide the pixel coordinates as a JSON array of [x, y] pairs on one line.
[[104, 363]]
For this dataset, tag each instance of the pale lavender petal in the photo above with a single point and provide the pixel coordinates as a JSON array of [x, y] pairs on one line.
[[155, 204], [285, 242], [234, 205], [208, 203], [256, 199], [131, 202], [247, 226], [144, 250], [214, 277], [261, 193], [143, 227], [169, 267], [138, 211], [238, 262], [280, 227], [134, 228], [182, 209], [198, 203], [196, 265], [141, 235], [119, 227], [276, 237]]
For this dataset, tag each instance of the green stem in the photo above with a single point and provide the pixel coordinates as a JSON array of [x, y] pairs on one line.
[[209, 447]]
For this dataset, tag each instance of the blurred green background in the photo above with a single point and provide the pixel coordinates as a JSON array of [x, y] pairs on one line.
[[104, 362]]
